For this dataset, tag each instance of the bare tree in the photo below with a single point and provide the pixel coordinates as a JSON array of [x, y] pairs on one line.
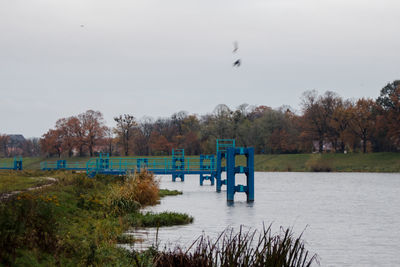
[[124, 130]]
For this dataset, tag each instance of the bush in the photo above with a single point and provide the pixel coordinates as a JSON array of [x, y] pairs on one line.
[[318, 164]]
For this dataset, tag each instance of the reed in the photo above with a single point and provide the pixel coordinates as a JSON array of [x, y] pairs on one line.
[[242, 248], [135, 191]]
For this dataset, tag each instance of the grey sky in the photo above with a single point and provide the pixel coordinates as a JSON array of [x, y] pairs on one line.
[[157, 57]]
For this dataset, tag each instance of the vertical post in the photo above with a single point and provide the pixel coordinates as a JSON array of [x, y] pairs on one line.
[[219, 171], [250, 175], [201, 168], [230, 173]]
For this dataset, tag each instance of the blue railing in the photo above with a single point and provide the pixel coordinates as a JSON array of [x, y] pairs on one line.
[[7, 164]]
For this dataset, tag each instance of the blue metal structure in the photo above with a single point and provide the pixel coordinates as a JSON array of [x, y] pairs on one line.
[[207, 162], [62, 164], [232, 170], [162, 165], [15, 165], [178, 164], [209, 167], [222, 146]]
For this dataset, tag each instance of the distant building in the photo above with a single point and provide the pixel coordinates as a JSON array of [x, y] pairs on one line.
[[15, 144], [326, 146]]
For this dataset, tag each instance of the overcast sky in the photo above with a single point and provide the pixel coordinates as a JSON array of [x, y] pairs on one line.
[[156, 57]]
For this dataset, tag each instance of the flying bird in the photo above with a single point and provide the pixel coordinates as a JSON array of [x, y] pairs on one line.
[[237, 63], [235, 47]]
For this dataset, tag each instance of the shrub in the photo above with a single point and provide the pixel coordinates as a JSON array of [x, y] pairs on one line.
[[318, 164]]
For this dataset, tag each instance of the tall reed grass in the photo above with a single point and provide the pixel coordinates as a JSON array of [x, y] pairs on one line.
[[135, 191], [242, 248]]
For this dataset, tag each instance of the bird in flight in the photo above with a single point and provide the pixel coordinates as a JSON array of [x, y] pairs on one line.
[[237, 63], [235, 47]]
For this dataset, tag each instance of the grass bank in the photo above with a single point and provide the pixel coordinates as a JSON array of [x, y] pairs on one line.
[[78, 221], [351, 162]]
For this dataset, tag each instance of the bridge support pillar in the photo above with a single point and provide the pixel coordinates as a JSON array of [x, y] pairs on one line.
[[209, 165], [232, 170], [178, 175], [141, 163], [178, 164], [218, 176], [204, 177], [18, 164], [61, 164]]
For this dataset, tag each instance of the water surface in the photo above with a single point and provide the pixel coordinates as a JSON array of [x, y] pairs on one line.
[[350, 219]]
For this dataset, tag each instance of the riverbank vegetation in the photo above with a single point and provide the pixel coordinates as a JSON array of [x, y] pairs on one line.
[[334, 162], [78, 221], [243, 248]]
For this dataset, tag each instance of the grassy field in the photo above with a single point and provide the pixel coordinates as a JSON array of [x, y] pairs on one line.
[[355, 162], [352, 162]]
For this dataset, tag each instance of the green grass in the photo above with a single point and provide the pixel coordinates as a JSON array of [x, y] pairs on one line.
[[167, 192], [150, 219], [351, 162], [19, 181]]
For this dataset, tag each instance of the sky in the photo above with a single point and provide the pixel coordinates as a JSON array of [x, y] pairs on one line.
[[157, 57]]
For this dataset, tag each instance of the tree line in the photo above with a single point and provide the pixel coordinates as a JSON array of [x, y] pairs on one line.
[[326, 122]]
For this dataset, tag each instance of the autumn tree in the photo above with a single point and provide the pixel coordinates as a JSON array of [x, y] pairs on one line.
[[71, 134], [318, 115], [159, 144], [339, 124], [4, 138], [362, 120], [314, 116], [124, 130], [93, 128], [388, 121], [31, 147], [51, 143]]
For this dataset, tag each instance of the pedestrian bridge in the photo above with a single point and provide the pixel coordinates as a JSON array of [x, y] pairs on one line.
[[209, 167]]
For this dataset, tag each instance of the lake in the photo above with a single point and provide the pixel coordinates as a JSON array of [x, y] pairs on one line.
[[348, 219]]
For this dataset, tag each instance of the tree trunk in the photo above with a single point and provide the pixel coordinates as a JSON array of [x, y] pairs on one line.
[[364, 145], [321, 144]]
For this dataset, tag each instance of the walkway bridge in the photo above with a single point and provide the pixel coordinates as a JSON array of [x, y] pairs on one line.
[[12, 165], [62, 164], [209, 167], [175, 166]]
